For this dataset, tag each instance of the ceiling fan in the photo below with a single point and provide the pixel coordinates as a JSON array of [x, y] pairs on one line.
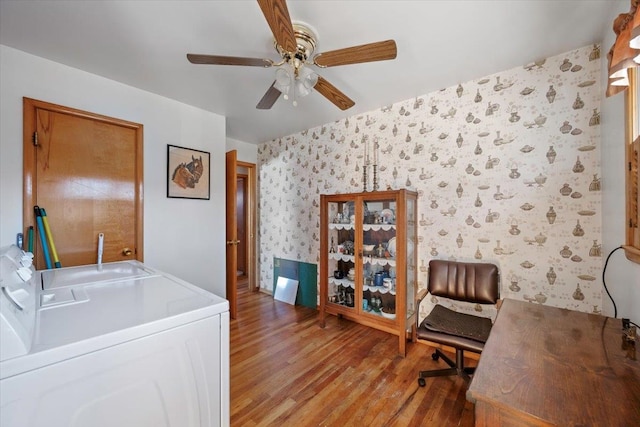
[[295, 43]]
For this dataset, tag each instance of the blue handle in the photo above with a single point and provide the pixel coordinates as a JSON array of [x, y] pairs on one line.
[[43, 238]]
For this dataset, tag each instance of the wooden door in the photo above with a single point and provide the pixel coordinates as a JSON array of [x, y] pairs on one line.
[[86, 171], [231, 231]]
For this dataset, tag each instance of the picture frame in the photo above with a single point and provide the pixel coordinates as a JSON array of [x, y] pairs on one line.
[[188, 173]]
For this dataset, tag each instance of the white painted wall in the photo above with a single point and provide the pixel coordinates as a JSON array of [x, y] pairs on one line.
[[182, 237], [246, 152], [622, 276]]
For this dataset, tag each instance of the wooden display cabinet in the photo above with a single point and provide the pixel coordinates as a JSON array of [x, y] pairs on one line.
[[368, 260]]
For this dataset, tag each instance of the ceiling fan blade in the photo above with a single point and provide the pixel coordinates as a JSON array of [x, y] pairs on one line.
[[277, 16], [334, 95], [228, 60], [269, 98], [378, 51]]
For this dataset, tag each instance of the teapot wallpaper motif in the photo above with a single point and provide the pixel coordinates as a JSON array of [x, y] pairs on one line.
[[506, 167]]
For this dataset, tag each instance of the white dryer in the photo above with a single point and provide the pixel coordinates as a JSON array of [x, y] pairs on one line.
[[117, 344]]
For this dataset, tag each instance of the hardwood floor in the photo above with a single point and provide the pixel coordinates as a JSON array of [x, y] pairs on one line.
[[287, 371]]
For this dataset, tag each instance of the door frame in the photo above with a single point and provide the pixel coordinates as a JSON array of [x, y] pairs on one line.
[[29, 162], [231, 231]]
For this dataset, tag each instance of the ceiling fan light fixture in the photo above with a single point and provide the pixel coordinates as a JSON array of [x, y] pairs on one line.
[[301, 89], [308, 78], [295, 80], [284, 79]]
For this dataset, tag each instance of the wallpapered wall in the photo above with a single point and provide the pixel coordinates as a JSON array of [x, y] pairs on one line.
[[507, 168]]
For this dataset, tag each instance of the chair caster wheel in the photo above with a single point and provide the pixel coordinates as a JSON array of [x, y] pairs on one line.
[[435, 356], [422, 382]]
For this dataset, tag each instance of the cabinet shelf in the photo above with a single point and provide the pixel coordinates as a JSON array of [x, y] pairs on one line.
[[346, 283], [379, 261], [366, 259], [341, 226], [365, 227], [379, 289], [376, 227], [342, 257], [381, 219]]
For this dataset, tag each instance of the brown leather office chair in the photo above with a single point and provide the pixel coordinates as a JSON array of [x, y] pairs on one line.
[[463, 281]]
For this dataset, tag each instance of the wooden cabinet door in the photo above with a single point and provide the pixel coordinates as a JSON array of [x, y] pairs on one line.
[[86, 171]]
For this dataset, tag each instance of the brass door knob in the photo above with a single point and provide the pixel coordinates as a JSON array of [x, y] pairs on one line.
[[127, 252]]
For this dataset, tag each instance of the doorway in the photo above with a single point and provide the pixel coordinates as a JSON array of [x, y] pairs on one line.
[[241, 224], [246, 224], [240, 228]]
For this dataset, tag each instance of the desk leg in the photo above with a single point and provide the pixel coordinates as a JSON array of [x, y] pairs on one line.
[[486, 415]]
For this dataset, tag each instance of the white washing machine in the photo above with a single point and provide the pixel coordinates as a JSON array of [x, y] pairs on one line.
[[117, 344]]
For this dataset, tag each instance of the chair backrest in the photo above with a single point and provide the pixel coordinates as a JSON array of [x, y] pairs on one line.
[[464, 281]]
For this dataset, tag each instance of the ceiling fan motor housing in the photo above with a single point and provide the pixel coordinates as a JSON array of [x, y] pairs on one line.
[[305, 44]]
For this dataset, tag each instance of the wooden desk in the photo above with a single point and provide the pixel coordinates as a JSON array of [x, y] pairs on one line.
[[549, 366]]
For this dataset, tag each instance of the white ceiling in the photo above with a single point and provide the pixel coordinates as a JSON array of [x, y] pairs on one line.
[[440, 44]]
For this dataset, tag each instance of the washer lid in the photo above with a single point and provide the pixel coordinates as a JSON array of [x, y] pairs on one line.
[[77, 319], [98, 309], [85, 274]]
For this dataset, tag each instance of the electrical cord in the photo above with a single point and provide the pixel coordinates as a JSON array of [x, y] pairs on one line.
[[615, 309]]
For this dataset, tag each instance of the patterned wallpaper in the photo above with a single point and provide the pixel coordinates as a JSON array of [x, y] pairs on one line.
[[507, 168]]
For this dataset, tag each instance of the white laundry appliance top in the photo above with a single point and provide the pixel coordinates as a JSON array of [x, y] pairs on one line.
[[54, 315]]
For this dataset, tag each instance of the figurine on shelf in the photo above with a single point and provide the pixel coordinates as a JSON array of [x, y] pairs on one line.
[[349, 299], [376, 304], [332, 249]]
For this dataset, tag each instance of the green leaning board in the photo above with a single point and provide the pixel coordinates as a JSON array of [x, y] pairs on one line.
[[307, 276]]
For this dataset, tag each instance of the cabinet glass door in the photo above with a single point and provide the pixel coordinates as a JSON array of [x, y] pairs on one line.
[[341, 258], [379, 253]]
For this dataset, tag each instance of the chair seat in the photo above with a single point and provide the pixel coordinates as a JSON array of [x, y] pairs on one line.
[[455, 329], [450, 340]]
